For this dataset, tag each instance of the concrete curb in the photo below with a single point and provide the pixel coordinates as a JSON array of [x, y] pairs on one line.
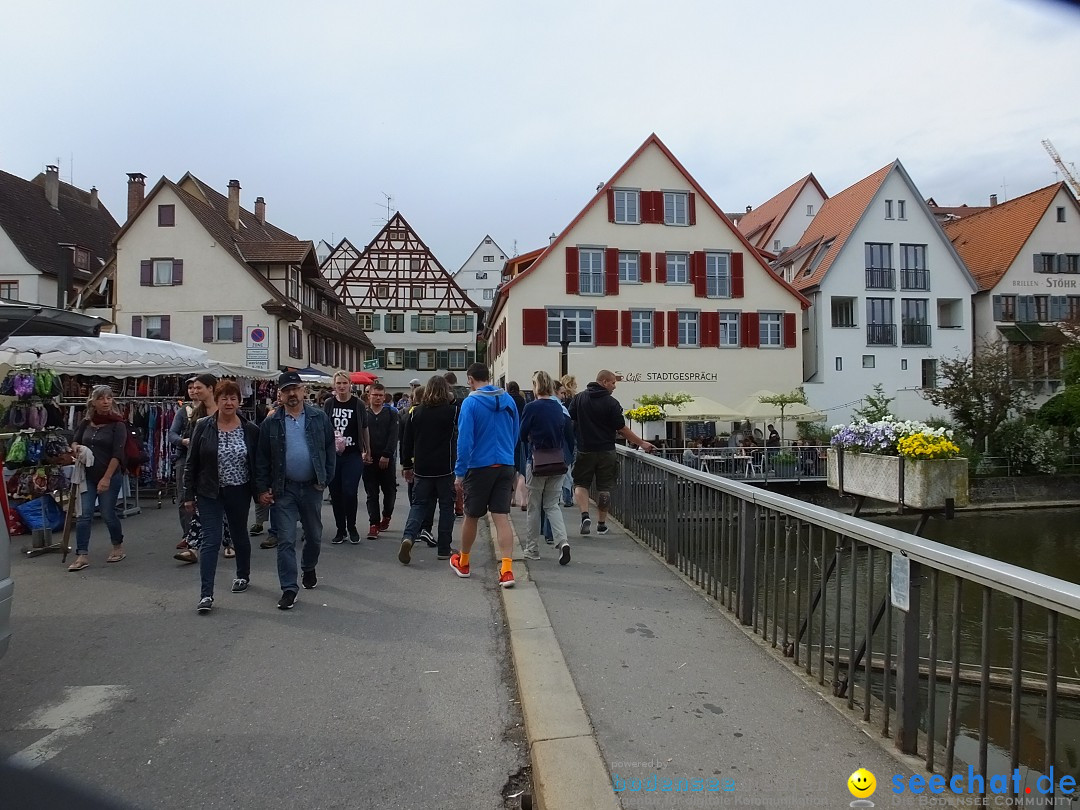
[[568, 771]]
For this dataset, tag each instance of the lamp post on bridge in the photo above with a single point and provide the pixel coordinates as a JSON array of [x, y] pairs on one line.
[[564, 343]]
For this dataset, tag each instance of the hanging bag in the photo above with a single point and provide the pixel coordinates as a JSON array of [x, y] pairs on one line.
[[549, 461]]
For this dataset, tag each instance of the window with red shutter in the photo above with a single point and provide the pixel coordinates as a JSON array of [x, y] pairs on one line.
[[691, 207], [208, 329], [146, 273], [607, 327], [658, 328], [789, 330], [166, 327], [177, 271], [626, 328], [661, 268], [572, 271], [697, 272], [737, 275], [710, 329], [611, 205], [533, 327], [611, 271], [136, 325], [673, 328], [166, 216], [646, 267], [238, 328], [750, 334]]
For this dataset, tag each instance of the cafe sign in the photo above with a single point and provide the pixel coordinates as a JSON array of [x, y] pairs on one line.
[[670, 376]]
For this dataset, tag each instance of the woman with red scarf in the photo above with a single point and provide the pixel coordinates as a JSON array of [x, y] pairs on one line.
[[104, 432]]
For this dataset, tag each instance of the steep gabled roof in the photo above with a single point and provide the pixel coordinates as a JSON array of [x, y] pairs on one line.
[[989, 241], [480, 247], [759, 224], [601, 194], [38, 230], [832, 226]]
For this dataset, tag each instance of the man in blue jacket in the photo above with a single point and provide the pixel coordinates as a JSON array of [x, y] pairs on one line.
[[487, 433], [294, 463]]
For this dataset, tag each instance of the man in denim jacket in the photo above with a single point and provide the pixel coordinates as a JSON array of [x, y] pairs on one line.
[[294, 463]]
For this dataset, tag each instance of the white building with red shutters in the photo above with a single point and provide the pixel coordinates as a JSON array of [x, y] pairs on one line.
[[652, 281]]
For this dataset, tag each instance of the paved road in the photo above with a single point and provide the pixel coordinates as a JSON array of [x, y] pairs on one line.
[[386, 687], [673, 689]]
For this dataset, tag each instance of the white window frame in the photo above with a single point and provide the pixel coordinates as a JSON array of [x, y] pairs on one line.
[[293, 285], [678, 268], [394, 359], [366, 321], [888, 209], [718, 275], [629, 267], [391, 318], [219, 322], [163, 272], [456, 359], [418, 292], [425, 323], [458, 322], [425, 359], [849, 301], [771, 330], [628, 204], [590, 271], [641, 327], [578, 316], [148, 327], [489, 294], [901, 209], [728, 333], [689, 328], [677, 208]]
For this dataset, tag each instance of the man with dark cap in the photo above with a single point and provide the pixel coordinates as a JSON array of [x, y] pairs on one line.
[[294, 464]]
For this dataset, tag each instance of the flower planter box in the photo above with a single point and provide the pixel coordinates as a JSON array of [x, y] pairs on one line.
[[652, 430], [927, 482]]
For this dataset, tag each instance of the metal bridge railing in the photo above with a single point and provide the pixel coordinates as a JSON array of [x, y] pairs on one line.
[[977, 669]]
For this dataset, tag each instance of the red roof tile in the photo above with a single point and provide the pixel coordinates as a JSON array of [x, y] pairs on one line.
[[759, 224]]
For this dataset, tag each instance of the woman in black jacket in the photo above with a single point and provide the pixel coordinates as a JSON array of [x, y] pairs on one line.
[[220, 477], [427, 461]]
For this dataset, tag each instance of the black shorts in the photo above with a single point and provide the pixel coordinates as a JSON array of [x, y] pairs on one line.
[[488, 489], [602, 465]]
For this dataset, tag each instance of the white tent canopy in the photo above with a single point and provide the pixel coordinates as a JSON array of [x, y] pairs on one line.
[[111, 355], [699, 409], [755, 410]]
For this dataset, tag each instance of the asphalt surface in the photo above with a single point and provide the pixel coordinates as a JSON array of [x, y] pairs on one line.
[[674, 689], [385, 687]]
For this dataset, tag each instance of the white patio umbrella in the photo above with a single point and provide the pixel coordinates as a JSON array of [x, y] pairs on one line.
[[755, 410], [700, 409]]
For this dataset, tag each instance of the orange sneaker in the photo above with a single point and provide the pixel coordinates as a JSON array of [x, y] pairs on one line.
[[459, 569], [506, 579]]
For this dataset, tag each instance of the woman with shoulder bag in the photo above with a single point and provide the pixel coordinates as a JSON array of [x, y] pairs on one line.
[[547, 431], [104, 433], [220, 477]]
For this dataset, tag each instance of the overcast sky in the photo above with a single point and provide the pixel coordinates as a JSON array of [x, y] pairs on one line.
[[500, 117]]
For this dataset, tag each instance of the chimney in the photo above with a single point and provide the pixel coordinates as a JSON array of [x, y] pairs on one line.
[[260, 210], [551, 239], [234, 204], [993, 200], [93, 197], [136, 192], [52, 186], [749, 208]]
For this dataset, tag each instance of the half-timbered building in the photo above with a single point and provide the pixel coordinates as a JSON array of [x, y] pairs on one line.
[[421, 322]]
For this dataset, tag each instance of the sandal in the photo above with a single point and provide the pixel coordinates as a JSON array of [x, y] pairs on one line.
[[187, 555], [230, 552], [78, 565], [115, 557]]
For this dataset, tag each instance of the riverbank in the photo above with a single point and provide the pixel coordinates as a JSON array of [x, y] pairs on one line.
[[1004, 492]]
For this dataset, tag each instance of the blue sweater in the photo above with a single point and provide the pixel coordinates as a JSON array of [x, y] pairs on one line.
[[546, 425], [487, 430]]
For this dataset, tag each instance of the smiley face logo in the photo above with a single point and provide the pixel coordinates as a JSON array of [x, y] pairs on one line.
[[862, 784]]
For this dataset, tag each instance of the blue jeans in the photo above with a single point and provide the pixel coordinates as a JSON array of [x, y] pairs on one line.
[[301, 502], [232, 504], [344, 490], [422, 512], [107, 502]]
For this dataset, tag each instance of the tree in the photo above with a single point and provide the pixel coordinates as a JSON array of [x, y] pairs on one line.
[[677, 399], [876, 405], [796, 397], [981, 391], [1062, 410]]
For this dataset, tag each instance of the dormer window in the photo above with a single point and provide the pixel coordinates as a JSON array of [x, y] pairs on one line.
[[676, 208]]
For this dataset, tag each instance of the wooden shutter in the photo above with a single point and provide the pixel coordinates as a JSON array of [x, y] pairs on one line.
[[1061, 263], [645, 265], [442, 358], [146, 273], [789, 330], [237, 328], [572, 285], [737, 275], [658, 328], [607, 327], [411, 360], [470, 322], [661, 268], [611, 271], [442, 324], [166, 330], [611, 205], [414, 323], [751, 338], [997, 308], [1037, 263], [627, 328], [136, 325], [691, 208], [673, 328], [652, 207], [177, 271], [380, 356], [1058, 305], [697, 272], [710, 329], [207, 328], [534, 327]]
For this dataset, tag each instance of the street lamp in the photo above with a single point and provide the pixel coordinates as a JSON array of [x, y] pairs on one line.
[[565, 344]]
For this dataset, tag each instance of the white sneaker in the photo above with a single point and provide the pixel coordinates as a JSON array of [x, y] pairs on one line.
[[531, 555]]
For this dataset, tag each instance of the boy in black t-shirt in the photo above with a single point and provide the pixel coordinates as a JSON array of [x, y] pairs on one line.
[[349, 421]]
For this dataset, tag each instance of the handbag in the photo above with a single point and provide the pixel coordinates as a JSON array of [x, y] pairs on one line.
[[548, 461]]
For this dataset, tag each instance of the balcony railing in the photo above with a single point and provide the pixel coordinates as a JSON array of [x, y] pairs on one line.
[[880, 278], [914, 279], [881, 334], [915, 334]]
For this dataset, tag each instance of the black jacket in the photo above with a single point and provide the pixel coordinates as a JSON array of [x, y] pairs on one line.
[[428, 447], [597, 417], [201, 474], [383, 432]]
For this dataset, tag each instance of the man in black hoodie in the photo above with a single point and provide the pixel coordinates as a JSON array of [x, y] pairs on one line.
[[598, 418]]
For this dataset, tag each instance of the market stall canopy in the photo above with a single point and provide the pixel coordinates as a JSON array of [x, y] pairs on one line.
[[755, 410], [33, 320], [111, 355], [700, 409], [314, 375]]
